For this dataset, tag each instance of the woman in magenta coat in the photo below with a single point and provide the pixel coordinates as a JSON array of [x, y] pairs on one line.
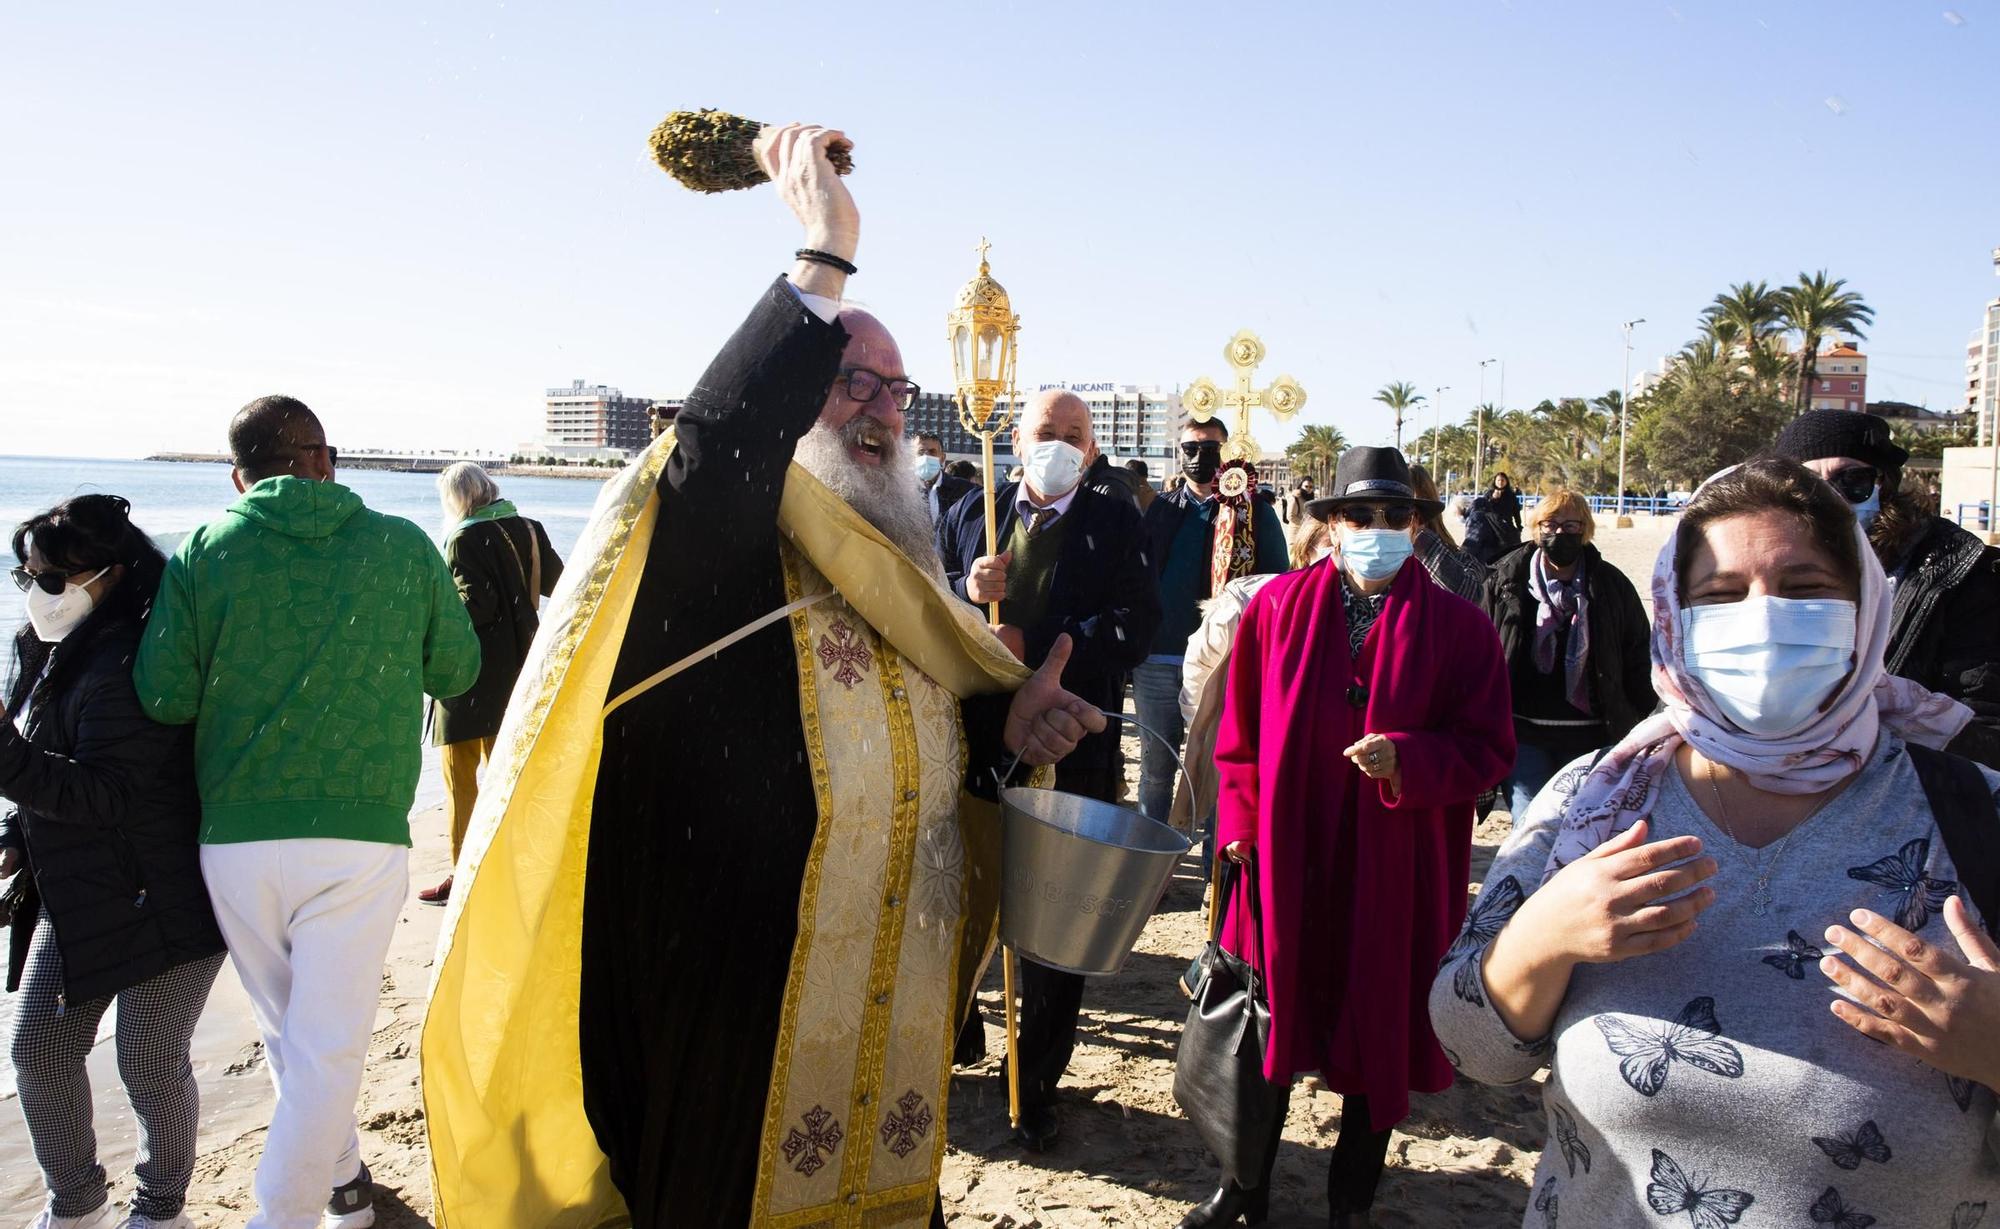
[[1366, 708]]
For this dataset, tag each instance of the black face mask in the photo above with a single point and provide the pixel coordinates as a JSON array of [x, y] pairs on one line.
[[1563, 549], [1202, 467]]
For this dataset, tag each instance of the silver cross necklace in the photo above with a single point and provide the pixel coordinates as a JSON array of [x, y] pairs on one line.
[[1761, 896]]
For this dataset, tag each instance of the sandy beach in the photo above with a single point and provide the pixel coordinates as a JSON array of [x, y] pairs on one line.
[[1126, 1156]]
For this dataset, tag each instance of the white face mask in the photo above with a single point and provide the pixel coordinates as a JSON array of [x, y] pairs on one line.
[[1770, 662], [1052, 468], [927, 467], [55, 615]]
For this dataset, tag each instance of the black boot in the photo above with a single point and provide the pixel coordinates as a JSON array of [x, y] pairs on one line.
[[1229, 1203]]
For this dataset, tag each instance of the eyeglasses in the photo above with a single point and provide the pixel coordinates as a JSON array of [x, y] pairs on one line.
[[1855, 483], [864, 386], [1551, 528], [1194, 448], [1361, 516], [332, 453], [50, 582]]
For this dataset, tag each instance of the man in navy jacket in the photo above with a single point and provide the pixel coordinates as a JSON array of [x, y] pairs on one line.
[[1069, 560]]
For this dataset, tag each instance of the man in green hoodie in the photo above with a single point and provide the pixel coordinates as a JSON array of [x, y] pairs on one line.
[[299, 633]]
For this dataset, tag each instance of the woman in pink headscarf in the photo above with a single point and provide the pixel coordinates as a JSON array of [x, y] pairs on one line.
[[1662, 927]]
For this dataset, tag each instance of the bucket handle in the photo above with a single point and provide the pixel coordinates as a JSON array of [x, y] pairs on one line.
[[1179, 762]]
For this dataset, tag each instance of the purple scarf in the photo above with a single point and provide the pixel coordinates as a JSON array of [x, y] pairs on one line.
[[1560, 603]]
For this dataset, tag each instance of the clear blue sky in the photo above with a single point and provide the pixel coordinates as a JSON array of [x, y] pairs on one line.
[[418, 216]]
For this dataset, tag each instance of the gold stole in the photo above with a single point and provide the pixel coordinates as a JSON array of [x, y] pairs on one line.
[[854, 1120], [509, 1142]]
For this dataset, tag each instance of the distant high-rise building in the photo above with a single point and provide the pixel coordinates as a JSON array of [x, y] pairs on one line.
[[1840, 381], [1129, 420], [1982, 367], [597, 416]]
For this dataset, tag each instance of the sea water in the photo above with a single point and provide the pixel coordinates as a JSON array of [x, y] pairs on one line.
[[170, 499]]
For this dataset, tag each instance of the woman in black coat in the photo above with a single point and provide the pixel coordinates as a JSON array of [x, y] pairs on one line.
[[103, 821], [1577, 643], [1504, 502], [503, 565]]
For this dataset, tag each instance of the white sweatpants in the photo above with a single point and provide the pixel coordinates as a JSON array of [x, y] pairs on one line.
[[308, 923]]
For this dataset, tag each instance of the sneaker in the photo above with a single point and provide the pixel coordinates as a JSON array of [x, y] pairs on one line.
[[139, 1220], [89, 1220], [353, 1205], [437, 895]]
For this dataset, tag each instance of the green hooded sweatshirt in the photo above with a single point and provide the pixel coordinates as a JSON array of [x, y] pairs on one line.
[[299, 633]]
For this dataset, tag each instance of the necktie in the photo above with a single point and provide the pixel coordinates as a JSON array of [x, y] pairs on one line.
[[1039, 520]]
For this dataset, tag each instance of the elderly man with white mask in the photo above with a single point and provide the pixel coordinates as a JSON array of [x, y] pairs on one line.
[[1071, 562]]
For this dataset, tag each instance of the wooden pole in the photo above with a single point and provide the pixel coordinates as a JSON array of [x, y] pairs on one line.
[[1007, 961], [992, 541]]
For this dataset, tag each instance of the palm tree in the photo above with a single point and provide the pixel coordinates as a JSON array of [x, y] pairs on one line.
[[1814, 308], [1317, 451], [1402, 396], [1745, 316]]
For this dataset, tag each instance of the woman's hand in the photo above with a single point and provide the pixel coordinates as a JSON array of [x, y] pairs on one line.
[[1606, 906], [1612, 903], [1375, 756], [1918, 998], [1238, 851]]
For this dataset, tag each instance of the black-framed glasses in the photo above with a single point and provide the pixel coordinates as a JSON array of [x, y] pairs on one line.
[[332, 453], [1194, 448], [1549, 529], [1362, 516], [1855, 483], [50, 582], [864, 386]]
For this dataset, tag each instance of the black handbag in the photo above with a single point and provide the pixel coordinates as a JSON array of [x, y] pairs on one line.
[[1219, 1073]]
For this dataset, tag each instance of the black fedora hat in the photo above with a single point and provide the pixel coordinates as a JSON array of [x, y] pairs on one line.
[[1378, 475]]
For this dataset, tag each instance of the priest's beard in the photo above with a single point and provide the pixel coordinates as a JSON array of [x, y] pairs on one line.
[[887, 495]]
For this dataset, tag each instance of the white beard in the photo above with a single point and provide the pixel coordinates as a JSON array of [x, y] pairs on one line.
[[887, 496]]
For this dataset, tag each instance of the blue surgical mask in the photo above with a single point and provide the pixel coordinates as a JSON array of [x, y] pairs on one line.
[[1769, 662], [1865, 510], [1053, 468], [928, 467], [1375, 554]]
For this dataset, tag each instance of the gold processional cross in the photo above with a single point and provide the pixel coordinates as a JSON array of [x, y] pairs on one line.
[[1284, 396]]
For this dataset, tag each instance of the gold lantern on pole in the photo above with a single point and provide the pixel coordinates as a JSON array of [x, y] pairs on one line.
[[982, 330]]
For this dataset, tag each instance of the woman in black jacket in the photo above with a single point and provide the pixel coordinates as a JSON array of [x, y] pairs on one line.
[[103, 819], [503, 565], [1577, 642]]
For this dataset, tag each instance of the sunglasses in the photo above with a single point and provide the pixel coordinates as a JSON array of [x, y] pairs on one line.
[[1855, 483], [1194, 448], [50, 582], [1361, 516], [332, 453]]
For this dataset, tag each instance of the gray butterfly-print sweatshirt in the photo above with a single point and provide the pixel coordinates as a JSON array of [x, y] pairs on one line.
[[1710, 1085]]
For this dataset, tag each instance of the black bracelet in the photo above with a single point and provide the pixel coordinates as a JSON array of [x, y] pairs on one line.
[[827, 258]]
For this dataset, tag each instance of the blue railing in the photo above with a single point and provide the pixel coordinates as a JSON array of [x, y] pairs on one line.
[[1635, 505], [1974, 516]]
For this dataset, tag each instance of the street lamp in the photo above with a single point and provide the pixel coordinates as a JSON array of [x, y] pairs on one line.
[[1479, 438], [1437, 424], [1624, 405]]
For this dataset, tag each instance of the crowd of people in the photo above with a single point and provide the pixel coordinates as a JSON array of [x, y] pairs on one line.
[[715, 931]]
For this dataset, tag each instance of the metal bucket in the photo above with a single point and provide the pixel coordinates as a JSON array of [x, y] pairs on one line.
[[1079, 877]]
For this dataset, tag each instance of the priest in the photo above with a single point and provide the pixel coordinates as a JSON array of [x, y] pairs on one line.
[[736, 879]]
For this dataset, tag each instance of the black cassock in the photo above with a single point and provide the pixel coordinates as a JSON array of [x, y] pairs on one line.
[[704, 813]]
